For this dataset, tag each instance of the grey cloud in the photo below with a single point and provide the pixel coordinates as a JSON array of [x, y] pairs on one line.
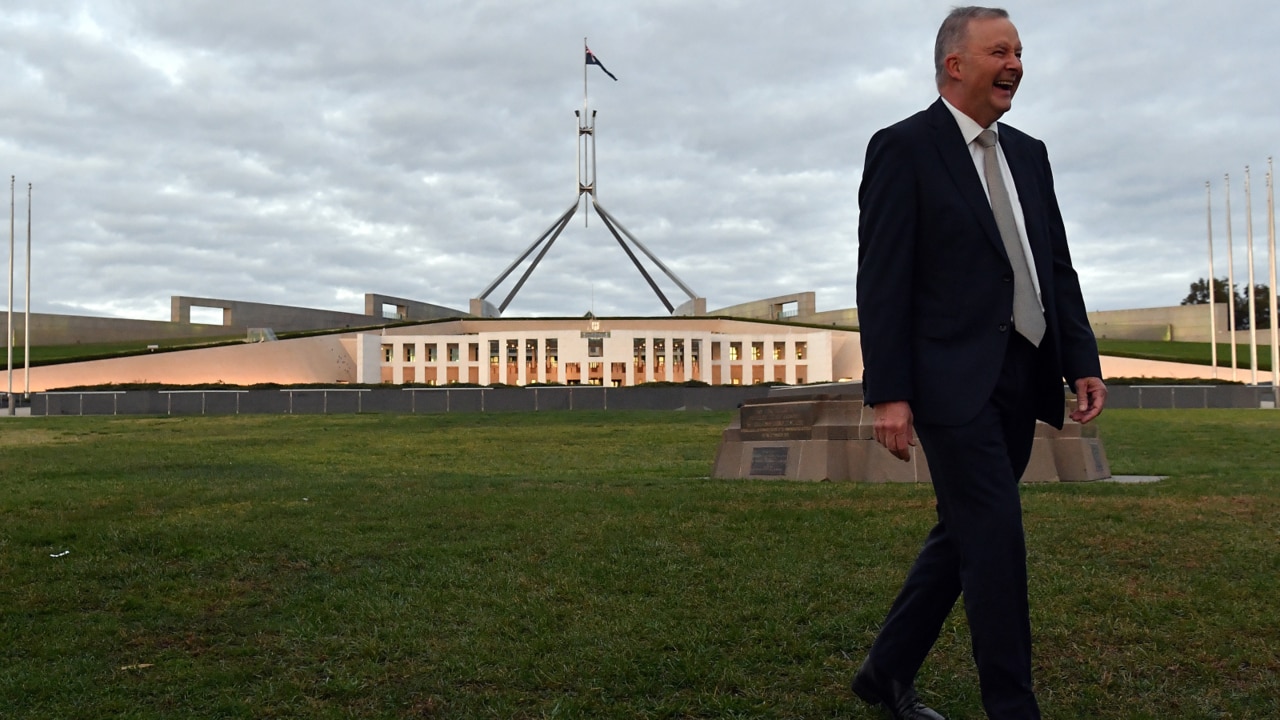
[[305, 153]]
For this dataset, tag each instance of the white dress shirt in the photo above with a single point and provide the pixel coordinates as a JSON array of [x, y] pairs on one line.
[[971, 129]]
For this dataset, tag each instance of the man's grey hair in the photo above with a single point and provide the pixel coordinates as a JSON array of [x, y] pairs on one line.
[[955, 31]]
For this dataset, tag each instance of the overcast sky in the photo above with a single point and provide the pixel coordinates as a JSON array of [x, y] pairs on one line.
[[305, 153]]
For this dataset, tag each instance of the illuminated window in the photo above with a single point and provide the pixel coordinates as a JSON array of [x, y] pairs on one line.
[[801, 350], [410, 352], [433, 352], [779, 351], [388, 353]]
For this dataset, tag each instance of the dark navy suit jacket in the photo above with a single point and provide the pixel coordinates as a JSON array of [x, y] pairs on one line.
[[935, 287]]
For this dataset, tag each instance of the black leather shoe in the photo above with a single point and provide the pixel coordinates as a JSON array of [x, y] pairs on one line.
[[898, 701]]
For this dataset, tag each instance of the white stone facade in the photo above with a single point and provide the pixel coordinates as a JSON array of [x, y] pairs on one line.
[[616, 353]]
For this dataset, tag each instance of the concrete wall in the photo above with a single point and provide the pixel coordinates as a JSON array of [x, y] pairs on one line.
[[407, 309], [280, 318], [772, 308], [50, 329], [237, 317], [1179, 323], [847, 317]]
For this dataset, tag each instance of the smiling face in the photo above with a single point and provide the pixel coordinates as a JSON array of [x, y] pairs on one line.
[[984, 73]]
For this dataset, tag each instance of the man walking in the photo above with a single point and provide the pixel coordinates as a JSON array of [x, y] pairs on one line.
[[971, 318]]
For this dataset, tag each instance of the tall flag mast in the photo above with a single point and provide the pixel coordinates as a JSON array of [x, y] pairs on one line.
[[1231, 280], [10, 399], [1213, 283], [1253, 303], [1271, 270], [26, 325], [586, 188]]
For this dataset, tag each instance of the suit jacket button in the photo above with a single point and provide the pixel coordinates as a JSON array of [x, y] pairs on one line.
[[1007, 278], [1004, 327]]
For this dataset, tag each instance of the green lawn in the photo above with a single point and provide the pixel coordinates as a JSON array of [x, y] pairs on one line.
[[1190, 352], [581, 565]]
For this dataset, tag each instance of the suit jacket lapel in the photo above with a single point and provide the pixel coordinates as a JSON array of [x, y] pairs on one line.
[[958, 160]]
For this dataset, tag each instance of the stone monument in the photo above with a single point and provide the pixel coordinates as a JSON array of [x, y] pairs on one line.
[[829, 437]]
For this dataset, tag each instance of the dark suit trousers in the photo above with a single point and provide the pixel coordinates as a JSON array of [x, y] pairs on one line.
[[977, 548]]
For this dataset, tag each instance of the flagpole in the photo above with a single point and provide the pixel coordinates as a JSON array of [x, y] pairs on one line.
[[1271, 271], [1253, 313], [9, 334], [26, 325], [1213, 318], [1231, 281], [582, 125]]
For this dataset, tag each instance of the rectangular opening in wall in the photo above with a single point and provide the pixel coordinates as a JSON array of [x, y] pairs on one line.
[[201, 315], [410, 352], [788, 310], [392, 311]]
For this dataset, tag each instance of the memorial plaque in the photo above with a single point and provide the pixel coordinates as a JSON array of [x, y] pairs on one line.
[[780, 421], [771, 461]]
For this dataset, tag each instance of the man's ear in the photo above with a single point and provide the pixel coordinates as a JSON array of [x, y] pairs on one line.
[[952, 65]]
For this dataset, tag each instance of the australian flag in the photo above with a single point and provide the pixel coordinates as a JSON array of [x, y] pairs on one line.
[[593, 60]]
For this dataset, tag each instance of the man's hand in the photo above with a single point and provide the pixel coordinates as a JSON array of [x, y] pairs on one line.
[[1091, 395], [893, 427]]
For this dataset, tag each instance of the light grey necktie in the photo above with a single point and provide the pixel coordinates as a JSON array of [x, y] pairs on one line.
[[1028, 318]]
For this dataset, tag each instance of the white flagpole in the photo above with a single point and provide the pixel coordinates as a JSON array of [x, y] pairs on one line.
[[1231, 281], [26, 325], [1213, 283], [1271, 271], [582, 156], [1253, 311], [9, 333]]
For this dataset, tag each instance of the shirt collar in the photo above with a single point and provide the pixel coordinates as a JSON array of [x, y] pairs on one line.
[[969, 127]]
